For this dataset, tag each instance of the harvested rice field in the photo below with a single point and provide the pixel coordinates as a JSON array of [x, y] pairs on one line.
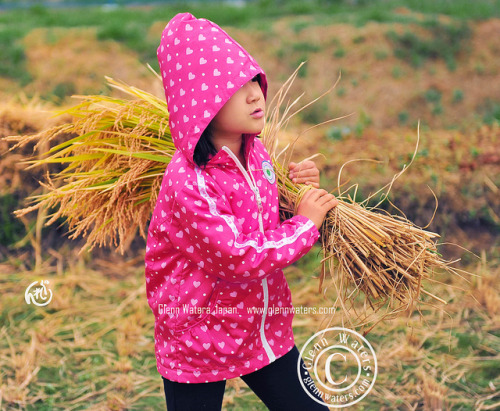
[[416, 94]]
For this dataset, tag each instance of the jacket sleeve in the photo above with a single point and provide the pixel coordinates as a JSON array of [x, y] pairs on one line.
[[207, 233]]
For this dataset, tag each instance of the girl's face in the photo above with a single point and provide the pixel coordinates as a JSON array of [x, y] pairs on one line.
[[243, 113]]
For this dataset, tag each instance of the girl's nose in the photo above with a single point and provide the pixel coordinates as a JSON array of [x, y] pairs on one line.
[[255, 92]]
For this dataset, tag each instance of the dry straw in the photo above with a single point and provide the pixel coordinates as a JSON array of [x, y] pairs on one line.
[[367, 252], [115, 153], [114, 162]]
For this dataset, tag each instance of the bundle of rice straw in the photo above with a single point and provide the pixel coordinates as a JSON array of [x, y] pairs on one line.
[[115, 156], [366, 251], [114, 168]]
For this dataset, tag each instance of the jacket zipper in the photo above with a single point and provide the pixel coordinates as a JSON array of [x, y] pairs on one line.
[[251, 182]]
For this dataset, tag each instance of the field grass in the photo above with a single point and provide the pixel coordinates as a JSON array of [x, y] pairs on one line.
[[92, 346], [415, 46], [130, 25]]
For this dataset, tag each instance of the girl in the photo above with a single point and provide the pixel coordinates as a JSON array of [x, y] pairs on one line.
[[216, 247]]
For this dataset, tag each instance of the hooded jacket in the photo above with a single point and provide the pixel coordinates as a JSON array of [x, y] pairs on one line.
[[216, 247]]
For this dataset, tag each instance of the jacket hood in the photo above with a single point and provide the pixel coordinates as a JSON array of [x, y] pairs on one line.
[[201, 68]]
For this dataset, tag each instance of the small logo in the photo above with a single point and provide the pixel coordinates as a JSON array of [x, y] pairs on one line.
[[268, 170], [342, 366], [40, 295]]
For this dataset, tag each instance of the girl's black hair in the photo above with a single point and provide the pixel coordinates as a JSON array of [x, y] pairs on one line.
[[205, 148]]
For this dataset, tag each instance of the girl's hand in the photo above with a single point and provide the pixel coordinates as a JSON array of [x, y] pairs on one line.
[[304, 172], [315, 204]]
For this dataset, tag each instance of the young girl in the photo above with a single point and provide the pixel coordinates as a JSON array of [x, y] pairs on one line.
[[216, 247]]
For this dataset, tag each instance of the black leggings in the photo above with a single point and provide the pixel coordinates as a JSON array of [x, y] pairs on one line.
[[277, 385]]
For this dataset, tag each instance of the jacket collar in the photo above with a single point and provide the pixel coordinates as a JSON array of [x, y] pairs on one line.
[[222, 158]]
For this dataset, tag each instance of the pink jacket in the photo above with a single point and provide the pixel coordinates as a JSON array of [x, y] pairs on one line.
[[216, 248]]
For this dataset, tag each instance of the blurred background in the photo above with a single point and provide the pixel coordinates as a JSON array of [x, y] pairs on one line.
[[401, 63]]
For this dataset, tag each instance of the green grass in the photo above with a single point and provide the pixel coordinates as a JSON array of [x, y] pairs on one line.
[[491, 112], [130, 25], [403, 117], [12, 57], [458, 96], [442, 42], [12, 228], [339, 52], [305, 47]]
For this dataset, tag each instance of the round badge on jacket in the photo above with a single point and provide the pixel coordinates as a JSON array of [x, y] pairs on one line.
[[268, 170]]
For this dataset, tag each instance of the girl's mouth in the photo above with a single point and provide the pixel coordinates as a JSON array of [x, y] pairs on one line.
[[258, 113]]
